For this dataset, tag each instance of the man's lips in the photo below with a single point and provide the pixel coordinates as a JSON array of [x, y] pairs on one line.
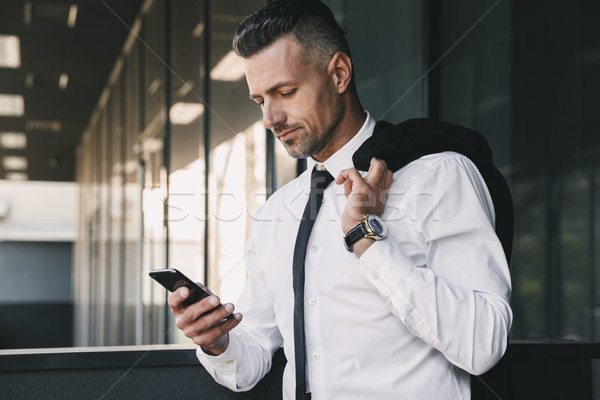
[[287, 135]]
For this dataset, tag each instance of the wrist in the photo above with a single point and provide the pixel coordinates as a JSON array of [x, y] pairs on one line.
[[362, 246], [348, 226], [219, 347], [371, 227]]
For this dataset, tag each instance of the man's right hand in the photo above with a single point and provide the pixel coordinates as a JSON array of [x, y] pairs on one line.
[[209, 331]]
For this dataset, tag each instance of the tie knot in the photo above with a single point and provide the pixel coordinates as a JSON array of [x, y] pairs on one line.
[[320, 179]]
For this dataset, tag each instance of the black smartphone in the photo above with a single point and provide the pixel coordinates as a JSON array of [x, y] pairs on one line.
[[172, 280]]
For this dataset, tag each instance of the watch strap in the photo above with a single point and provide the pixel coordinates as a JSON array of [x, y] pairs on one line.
[[354, 235]]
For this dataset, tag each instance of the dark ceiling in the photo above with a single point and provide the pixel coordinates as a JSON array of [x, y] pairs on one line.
[[55, 118]]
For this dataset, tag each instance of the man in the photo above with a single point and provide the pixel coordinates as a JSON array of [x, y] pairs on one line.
[[409, 316]]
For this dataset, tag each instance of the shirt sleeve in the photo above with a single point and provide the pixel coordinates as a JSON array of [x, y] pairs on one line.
[[254, 341], [455, 298]]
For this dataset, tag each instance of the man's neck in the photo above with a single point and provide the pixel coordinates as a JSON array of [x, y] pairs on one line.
[[343, 157], [353, 120]]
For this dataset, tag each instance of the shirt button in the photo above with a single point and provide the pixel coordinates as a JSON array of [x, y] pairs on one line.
[[316, 356], [323, 201], [314, 247], [229, 361], [312, 301], [375, 276]]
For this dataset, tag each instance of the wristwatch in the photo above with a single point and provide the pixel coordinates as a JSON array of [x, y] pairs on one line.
[[371, 226]]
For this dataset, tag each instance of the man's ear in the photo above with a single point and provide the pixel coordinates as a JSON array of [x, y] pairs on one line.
[[340, 68]]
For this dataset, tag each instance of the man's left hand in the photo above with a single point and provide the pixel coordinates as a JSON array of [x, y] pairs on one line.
[[366, 195]]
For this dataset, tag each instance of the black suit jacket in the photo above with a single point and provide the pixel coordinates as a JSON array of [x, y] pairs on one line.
[[400, 144]]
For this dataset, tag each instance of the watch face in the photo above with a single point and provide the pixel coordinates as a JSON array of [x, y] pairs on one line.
[[377, 226]]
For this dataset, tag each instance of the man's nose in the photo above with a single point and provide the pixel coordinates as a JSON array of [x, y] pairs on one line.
[[272, 114]]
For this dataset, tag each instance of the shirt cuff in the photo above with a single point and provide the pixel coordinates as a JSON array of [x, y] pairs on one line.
[[223, 367], [385, 265]]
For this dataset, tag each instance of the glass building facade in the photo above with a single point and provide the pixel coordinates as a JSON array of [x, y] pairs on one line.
[[175, 160]]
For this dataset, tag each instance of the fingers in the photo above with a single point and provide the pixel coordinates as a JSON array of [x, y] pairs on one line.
[[377, 172], [209, 307], [366, 195], [350, 174], [177, 298], [194, 311], [215, 340], [378, 178], [388, 177], [205, 322]]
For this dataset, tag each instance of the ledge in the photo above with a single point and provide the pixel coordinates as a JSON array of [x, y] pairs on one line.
[[97, 357], [177, 355], [102, 357]]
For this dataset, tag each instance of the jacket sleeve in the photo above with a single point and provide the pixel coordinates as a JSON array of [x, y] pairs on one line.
[[455, 298]]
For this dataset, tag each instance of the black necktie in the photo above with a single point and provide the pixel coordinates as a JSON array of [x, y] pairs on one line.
[[318, 182]]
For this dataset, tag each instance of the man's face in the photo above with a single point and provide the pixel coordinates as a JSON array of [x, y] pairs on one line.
[[300, 105]]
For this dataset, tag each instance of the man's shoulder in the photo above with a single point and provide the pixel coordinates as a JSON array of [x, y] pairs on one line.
[[410, 140], [448, 160], [437, 170]]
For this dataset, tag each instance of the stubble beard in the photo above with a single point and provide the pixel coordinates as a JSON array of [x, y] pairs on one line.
[[307, 144]]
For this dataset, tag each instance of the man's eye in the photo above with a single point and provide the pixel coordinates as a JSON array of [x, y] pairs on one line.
[[288, 93]]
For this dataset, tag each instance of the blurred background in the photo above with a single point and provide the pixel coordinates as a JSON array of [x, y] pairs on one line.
[[128, 143]]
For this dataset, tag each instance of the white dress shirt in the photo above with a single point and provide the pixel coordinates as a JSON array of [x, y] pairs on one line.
[[410, 319]]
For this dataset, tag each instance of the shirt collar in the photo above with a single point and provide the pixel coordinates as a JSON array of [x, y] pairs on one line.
[[342, 159]]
